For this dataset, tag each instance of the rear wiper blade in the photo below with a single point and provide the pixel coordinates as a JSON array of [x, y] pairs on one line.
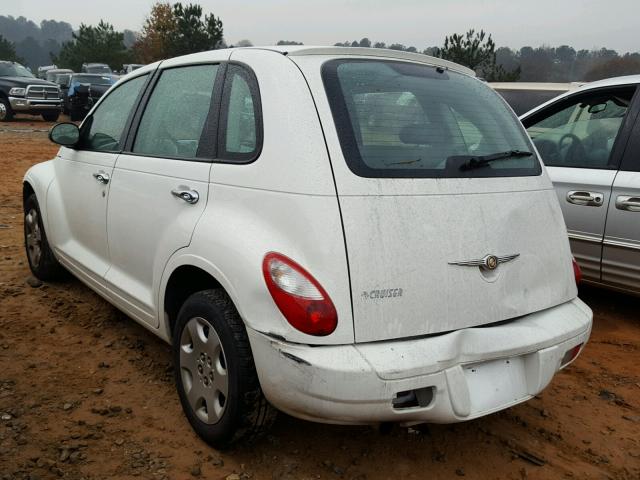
[[477, 161]]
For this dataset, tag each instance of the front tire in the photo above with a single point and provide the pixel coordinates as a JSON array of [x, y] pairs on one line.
[[42, 261], [215, 374], [6, 113], [50, 116]]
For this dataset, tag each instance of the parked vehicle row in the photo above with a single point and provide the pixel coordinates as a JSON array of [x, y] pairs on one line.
[[21, 92], [368, 236], [57, 90]]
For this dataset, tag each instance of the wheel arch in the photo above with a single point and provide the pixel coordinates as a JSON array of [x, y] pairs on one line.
[[37, 180], [27, 191], [184, 276]]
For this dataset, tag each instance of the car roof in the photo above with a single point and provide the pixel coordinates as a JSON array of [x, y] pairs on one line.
[[538, 86], [612, 82], [607, 82], [303, 50]]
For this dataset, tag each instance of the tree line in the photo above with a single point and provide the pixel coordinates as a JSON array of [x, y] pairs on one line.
[[176, 29]]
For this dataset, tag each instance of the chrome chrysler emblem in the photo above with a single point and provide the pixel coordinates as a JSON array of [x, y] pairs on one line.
[[488, 262]]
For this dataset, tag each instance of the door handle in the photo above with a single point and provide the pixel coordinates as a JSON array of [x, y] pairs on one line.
[[102, 177], [189, 196], [626, 202], [589, 199]]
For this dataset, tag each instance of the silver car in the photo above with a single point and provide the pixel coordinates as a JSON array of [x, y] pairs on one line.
[[589, 139]]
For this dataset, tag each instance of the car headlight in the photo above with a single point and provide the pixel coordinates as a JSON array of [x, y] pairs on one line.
[[17, 92]]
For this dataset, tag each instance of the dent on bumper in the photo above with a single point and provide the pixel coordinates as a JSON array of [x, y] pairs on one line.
[[473, 371], [24, 104]]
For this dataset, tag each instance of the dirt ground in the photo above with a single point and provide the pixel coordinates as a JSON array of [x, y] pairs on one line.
[[87, 393]]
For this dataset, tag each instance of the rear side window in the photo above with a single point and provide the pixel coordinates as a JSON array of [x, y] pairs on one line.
[[175, 115], [241, 122], [399, 119]]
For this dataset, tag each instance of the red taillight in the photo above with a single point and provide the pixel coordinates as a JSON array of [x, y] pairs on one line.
[[299, 296], [577, 272], [570, 355]]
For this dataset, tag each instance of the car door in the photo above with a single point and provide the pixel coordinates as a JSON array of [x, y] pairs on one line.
[[621, 249], [580, 143], [160, 183], [77, 200]]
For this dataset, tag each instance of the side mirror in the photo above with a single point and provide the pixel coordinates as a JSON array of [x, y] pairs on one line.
[[600, 107], [65, 134]]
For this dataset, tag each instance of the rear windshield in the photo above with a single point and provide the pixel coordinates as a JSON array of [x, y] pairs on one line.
[[399, 119]]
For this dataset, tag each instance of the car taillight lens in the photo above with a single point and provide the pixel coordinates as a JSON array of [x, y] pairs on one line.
[[570, 355], [299, 296], [576, 271]]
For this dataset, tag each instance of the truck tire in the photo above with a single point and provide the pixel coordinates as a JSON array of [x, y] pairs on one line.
[[6, 113], [215, 374], [50, 116], [76, 115], [42, 261]]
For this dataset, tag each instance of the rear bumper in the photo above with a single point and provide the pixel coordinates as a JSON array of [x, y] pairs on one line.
[[21, 104], [470, 372]]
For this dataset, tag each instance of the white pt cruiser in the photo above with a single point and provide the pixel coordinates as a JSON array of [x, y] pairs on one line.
[[351, 235]]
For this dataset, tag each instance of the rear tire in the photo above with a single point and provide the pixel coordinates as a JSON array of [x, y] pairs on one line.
[[50, 116], [42, 261], [6, 113], [215, 374]]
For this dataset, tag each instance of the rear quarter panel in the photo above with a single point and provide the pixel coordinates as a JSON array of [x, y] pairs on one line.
[[285, 201]]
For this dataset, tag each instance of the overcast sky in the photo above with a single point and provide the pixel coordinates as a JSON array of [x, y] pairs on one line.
[[515, 23]]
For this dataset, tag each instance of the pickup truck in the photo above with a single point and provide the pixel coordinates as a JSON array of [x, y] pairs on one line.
[[21, 92]]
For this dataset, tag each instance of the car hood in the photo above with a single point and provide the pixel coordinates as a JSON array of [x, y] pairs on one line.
[[24, 81]]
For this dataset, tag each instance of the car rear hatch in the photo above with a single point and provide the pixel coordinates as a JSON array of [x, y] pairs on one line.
[[438, 237]]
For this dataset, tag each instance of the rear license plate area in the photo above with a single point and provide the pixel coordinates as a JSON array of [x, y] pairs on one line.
[[496, 383]]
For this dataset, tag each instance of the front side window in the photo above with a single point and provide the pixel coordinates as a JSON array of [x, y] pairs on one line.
[[174, 118], [581, 132], [240, 132], [103, 131], [399, 119]]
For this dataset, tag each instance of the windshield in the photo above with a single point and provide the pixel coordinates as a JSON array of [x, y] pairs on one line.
[[14, 70], [63, 78], [93, 80], [53, 74], [98, 69], [399, 119]]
